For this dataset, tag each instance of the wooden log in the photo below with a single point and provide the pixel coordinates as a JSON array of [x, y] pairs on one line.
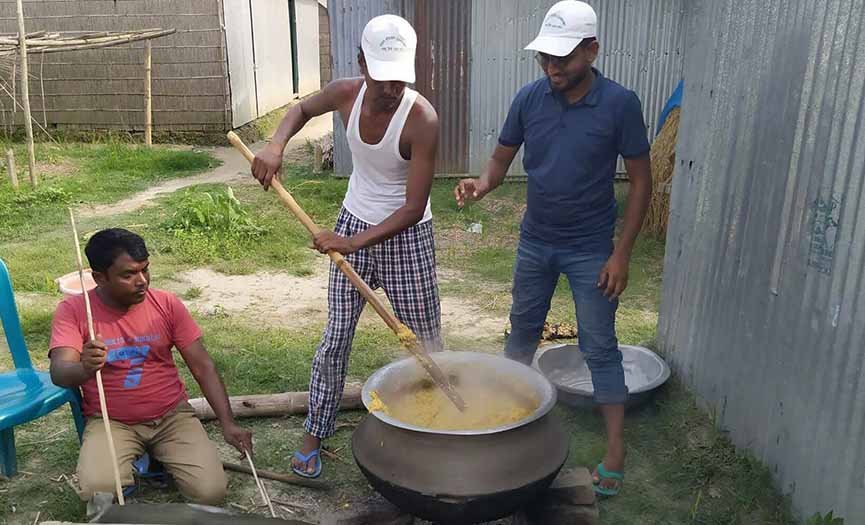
[[291, 479], [74, 523], [25, 94], [148, 95], [282, 404], [10, 166]]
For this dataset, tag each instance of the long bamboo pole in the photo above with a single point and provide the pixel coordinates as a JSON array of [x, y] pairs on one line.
[[92, 333], [261, 488], [404, 334], [25, 94], [148, 95]]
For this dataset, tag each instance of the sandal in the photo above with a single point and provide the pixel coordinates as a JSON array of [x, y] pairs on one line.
[[305, 458], [608, 474]]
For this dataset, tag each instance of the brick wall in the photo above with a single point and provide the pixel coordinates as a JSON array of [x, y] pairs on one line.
[[324, 45]]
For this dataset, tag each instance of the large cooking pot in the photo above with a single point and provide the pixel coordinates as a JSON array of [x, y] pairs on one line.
[[460, 475]]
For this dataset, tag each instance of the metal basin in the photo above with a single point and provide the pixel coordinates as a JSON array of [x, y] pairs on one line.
[[461, 476], [566, 368]]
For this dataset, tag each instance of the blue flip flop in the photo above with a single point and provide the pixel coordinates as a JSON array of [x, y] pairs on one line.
[[608, 474], [145, 468], [305, 459]]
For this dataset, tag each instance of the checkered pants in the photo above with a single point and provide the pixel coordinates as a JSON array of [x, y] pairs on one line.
[[405, 267]]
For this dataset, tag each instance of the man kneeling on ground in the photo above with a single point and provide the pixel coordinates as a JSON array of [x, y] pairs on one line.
[[136, 328]]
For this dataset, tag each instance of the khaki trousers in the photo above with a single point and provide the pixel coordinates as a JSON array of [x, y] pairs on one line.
[[177, 440]]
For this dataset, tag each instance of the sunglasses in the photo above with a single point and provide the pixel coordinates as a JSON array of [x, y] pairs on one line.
[[544, 60]]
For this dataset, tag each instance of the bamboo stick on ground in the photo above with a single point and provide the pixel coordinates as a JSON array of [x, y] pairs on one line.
[[261, 489], [291, 479]]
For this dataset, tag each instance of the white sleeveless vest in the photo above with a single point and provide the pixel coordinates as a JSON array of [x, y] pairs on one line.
[[377, 185]]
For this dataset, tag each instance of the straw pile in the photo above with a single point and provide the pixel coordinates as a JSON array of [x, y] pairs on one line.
[[663, 159]]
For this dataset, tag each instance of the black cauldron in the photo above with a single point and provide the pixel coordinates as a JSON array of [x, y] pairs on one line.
[[460, 476]]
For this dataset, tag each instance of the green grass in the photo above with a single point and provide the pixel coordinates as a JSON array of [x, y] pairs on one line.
[[488, 258], [86, 174], [263, 360], [681, 470], [192, 293], [282, 244]]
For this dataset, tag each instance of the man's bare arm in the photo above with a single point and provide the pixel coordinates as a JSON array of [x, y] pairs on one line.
[[71, 369], [424, 146], [490, 179], [204, 371], [614, 276], [268, 161], [639, 197]]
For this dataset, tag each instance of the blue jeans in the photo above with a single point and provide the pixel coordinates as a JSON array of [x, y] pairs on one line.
[[536, 273]]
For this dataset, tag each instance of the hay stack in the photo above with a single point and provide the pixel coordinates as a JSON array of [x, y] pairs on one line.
[[663, 158]]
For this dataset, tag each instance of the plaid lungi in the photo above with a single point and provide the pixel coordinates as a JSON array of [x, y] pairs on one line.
[[404, 266]]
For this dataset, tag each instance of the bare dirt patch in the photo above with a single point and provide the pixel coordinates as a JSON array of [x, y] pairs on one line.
[[46, 170], [284, 300]]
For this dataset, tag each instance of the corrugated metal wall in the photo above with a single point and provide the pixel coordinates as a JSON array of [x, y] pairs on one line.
[[325, 60], [105, 88], [763, 309], [347, 20], [641, 48], [443, 75]]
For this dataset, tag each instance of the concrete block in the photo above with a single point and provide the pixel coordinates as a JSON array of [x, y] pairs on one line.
[[571, 487], [540, 514]]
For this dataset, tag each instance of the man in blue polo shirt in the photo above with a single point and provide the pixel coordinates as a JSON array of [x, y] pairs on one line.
[[574, 123]]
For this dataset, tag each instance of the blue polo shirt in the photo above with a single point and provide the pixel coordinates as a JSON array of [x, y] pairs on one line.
[[570, 157]]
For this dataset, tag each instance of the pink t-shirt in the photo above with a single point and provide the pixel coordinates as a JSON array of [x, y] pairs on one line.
[[140, 379]]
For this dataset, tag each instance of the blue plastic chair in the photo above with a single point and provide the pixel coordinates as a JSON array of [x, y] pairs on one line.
[[25, 394]]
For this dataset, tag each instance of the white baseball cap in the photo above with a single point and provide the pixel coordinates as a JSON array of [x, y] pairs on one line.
[[389, 43], [566, 25]]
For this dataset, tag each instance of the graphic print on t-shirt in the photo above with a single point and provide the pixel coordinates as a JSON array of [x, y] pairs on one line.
[[136, 354]]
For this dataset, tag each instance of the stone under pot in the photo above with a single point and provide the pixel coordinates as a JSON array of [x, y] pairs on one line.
[[461, 475]]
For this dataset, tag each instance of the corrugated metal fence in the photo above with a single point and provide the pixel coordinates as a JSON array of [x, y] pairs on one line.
[[347, 20], [641, 47], [763, 309], [443, 75]]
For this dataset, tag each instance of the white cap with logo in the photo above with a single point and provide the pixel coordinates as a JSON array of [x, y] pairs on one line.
[[389, 43], [566, 25]]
